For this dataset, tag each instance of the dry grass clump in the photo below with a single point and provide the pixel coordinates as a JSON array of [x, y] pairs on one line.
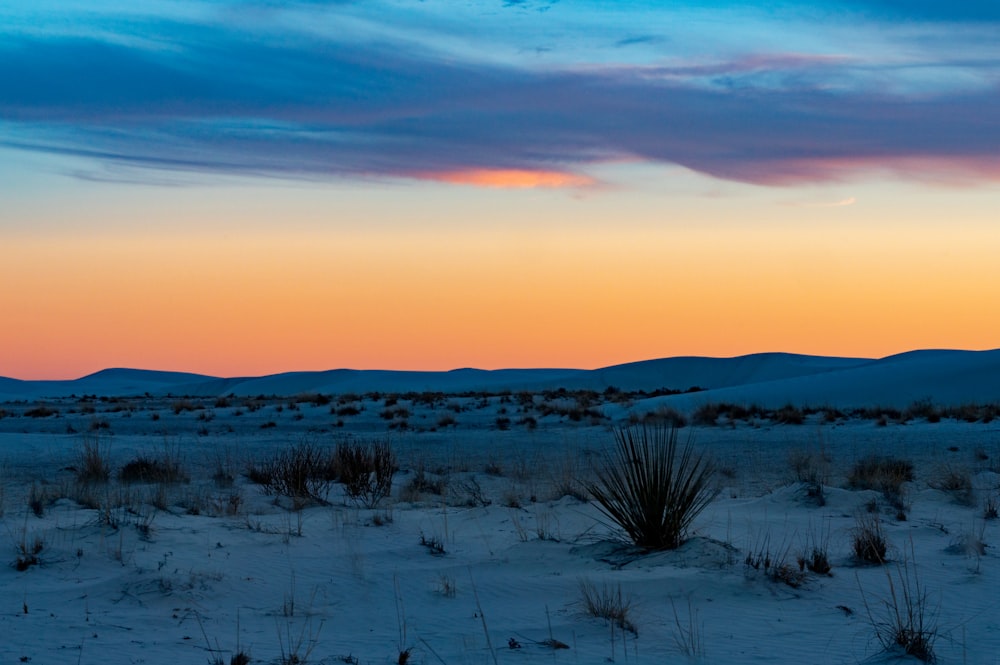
[[423, 483], [789, 415], [880, 473], [868, 539], [28, 550], [812, 468], [41, 411], [651, 488], [165, 469], [991, 506], [776, 566], [957, 481], [608, 603], [92, 465], [907, 623], [662, 415]]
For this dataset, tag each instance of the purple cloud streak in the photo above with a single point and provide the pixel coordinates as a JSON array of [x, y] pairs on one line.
[[225, 102]]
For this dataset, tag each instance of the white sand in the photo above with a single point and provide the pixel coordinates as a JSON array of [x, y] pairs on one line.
[[197, 585]]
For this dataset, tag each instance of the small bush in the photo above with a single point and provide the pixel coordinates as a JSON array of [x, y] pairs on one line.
[[662, 415], [652, 489], [366, 471], [707, 414], [166, 469], [422, 483], [789, 415], [302, 473], [41, 411]]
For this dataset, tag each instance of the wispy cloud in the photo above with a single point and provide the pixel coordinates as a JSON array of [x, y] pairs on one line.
[[201, 97]]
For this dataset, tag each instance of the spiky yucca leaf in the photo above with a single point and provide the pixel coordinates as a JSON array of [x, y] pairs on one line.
[[651, 488]]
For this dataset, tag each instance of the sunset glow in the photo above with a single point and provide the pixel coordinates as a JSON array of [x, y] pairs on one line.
[[571, 187], [510, 178]]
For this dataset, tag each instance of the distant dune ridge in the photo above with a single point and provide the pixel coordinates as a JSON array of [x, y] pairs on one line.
[[768, 379]]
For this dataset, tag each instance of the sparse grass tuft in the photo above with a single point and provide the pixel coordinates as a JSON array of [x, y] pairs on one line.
[[92, 461], [868, 539], [652, 489], [957, 481], [991, 506], [433, 544], [907, 623], [607, 603]]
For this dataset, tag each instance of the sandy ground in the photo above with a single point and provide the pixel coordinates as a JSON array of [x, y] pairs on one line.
[[127, 582]]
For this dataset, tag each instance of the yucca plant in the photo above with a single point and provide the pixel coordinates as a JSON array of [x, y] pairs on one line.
[[652, 488]]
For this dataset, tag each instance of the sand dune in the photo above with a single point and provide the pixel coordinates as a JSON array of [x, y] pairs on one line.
[[769, 379], [943, 377]]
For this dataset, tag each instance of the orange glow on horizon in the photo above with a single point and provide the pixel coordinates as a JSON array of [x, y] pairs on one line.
[[551, 296], [510, 178]]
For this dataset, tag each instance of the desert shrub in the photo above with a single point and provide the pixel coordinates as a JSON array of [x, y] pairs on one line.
[[303, 472], [41, 411], [316, 399], [880, 473], [182, 405], [662, 415], [433, 544], [815, 554], [447, 420], [810, 467], [969, 413], [789, 415], [530, 422], [906, 622], [816, 560], [470, 493], [923, 408], [165, 469], [37, 500], [92, 464], [28, 550], [868, 539], [775, 566], [366, 470], [991, 506], [344, 411], [707, 414], [607, 603], [423, 483], [957, 481], [651, 488]]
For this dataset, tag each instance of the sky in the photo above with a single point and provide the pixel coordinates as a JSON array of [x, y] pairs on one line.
[[244, 188]]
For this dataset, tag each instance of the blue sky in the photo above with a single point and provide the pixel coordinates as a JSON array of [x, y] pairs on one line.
[[240, 188], [413, 89]]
